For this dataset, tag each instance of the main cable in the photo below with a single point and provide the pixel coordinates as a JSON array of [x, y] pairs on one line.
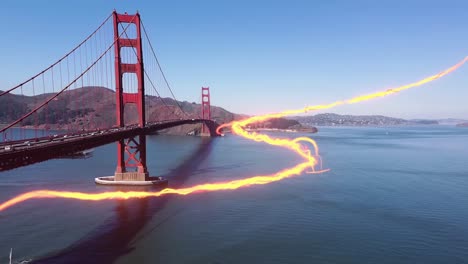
[[160, 69]]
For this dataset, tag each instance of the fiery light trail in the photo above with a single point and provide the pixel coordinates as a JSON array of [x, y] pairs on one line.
[[230, 185], [353, 100], [297, 145]]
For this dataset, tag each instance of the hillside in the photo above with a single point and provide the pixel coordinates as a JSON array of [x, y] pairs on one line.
[[329, 119], [462, 125], [94, 107]]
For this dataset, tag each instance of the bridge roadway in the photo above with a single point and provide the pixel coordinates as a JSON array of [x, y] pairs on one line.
[[14, 154]]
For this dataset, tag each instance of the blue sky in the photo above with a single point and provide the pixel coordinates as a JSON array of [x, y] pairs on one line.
[[267, 56]]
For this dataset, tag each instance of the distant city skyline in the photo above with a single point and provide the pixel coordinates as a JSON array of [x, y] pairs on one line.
[[267, 56]]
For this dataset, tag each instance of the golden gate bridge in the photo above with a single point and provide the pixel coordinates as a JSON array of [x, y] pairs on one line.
[[110, 59]]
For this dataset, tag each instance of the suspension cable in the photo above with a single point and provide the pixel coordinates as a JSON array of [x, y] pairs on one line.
[[66, 87], [152, 84], [66, 55], [160, 69]]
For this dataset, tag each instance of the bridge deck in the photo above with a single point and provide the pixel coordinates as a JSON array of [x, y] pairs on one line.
[[19, 153]]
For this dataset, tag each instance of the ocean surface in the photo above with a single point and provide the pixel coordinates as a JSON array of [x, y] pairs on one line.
[[393, 195]]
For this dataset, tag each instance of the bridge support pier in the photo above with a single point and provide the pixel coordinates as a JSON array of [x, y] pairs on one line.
[[131, 176], [131, 152]]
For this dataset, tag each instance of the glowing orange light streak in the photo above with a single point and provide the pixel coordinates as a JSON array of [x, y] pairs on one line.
[[311, 160], [231, 185], [353, 100]]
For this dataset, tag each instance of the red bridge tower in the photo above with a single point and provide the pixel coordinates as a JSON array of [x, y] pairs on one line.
[[131, 152], [206, 109]]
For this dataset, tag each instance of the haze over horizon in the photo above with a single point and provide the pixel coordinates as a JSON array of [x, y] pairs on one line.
[[418, 118], [268, 56]]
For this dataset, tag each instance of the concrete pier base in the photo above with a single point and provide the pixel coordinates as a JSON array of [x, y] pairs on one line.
[[114, 180], [131, 176]]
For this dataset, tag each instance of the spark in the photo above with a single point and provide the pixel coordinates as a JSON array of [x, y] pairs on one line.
[[298, 145]]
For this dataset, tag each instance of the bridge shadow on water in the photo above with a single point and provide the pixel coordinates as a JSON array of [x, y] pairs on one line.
[[112, 239]]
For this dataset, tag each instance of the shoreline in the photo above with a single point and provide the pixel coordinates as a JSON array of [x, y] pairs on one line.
[[288, 130]]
